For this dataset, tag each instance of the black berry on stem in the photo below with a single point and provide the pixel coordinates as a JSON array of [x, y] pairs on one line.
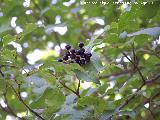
[[88, 54], [65, 57], [81, 44], [82, 61], [79, 56], [82, 50], [72, 51], [68, 47], [72, 56], [77, 61], [60, 60], [78, 52], [67, 53]]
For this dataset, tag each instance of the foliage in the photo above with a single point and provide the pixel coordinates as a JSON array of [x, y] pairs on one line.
[[120, 82]]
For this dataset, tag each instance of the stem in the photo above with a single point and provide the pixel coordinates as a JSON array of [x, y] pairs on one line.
[[21, 100], [141, 75], [69, 89], [117, 74], [79, 84], [133, 96]]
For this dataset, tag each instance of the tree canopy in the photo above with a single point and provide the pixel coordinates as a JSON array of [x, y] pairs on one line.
[[119, 80]]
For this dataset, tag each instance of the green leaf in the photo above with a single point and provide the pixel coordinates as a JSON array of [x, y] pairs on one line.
[[5, 27], [86, 76], [7, 39], [96, 62], [51, 97], [8, 55], [49, 111], [149, 10], [99, 104], [2, 85], [153, 32], [30, 27]]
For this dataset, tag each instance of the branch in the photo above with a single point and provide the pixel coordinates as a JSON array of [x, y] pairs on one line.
[[141, 75], [117, 74], [126, 102], [8, 66], [1, 73], [63, 84], [79, 84], [21, 100], [75, 92], [153, 79]]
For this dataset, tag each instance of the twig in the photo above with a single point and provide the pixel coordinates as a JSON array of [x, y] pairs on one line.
[[69, 89], [153, 79], [8, 66], [21, 100], [132, 97], [141, 75], [1, 73], [116, 74], [63, 84], [79, 84]]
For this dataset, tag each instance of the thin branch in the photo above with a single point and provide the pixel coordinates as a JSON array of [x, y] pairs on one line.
[[22, 101], [126, 102], [141, 75], [63, 84], [152, 114], [69, 89], [116, 74], [1, 73], [79, 84], [153, 79], [8, 66]]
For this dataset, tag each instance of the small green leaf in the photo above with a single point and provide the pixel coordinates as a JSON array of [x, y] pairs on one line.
[[7, 39], [51, 97], [86, 76], [30, 27], [49, 111], [99, 104], [96, 61], [154, 32]]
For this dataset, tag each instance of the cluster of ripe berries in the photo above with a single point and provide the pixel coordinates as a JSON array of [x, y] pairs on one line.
[[76, 56]]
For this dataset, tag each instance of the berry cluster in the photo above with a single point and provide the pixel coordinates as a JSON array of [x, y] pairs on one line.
[[76, 56]]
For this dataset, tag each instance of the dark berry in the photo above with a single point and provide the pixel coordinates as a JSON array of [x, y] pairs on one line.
[[82, 55], [72, 61], [87, 59], [82, 61], [68, 47], [82, 50], [72, 56], [60, 60], [81, 44], [78, 52], [72, 51], [65, 57], [67, 53], [77, 61], [88, 54]]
